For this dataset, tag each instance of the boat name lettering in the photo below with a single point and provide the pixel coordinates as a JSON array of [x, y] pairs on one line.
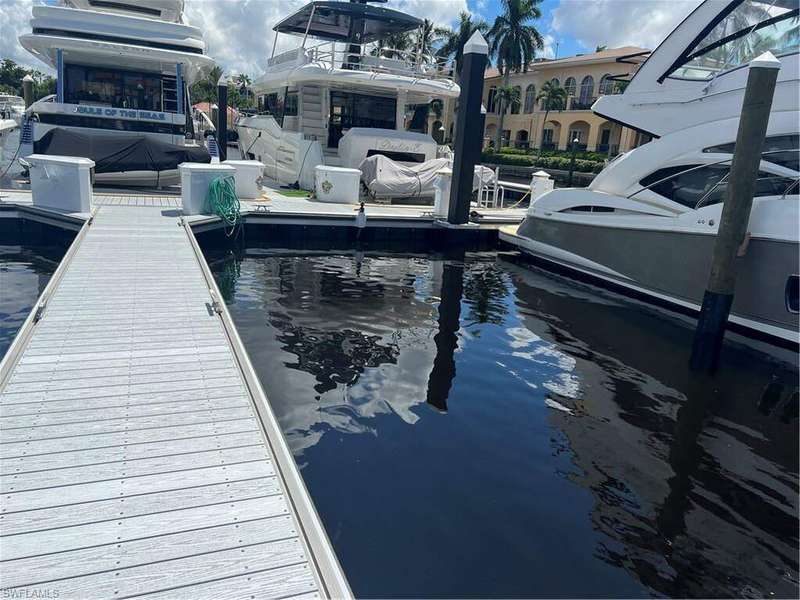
[[398, 147], [126, 113]]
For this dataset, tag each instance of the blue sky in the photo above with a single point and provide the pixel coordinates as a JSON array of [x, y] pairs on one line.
[[238, 32], [567, 44]]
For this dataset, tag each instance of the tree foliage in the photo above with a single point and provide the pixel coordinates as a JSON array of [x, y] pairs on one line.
[[11, 75], [513, 41], [239, 94], [553, 97], [454, 40]]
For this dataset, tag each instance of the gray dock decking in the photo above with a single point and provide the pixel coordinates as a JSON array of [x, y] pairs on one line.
[[135, 457]]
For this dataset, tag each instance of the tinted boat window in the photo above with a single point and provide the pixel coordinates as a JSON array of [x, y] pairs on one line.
[[688, 185], [750, 29], [783, 150], [97, 86]]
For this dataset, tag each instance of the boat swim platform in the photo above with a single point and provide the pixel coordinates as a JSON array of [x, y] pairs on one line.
[[139, 455]]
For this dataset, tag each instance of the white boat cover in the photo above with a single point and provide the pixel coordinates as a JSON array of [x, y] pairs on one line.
[[386, 178]]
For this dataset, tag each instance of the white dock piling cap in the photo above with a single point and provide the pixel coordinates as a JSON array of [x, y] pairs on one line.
[[544, 174], [27, 77], [476, 44], [766, 61]]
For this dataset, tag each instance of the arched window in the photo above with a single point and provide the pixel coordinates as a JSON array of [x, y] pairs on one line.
[[555, 82], [491, 102], [515, 105], [570, 86], [587, 89], [606, 85], [530, 98]]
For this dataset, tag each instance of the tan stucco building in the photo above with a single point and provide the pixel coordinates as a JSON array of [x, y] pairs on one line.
[[584, 77]]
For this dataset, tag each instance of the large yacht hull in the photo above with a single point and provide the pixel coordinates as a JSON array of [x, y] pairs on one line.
[[672, 267]]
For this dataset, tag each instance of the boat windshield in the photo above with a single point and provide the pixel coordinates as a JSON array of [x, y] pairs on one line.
[[747, 31]]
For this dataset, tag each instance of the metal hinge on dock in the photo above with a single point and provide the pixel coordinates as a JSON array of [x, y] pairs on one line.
[[215, 305], [37, 316]]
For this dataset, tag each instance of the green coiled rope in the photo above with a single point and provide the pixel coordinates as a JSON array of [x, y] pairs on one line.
[[223, 201]]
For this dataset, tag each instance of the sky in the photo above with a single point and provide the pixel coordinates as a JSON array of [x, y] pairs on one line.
[[239, 32]]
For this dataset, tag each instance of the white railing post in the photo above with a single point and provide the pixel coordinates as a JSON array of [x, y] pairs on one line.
[[274, 45], [308, 25]]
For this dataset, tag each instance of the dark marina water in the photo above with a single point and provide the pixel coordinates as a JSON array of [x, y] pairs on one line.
[[478, 427], [24, 273]]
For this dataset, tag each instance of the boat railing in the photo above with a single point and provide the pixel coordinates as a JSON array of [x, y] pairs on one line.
[[335, 55]]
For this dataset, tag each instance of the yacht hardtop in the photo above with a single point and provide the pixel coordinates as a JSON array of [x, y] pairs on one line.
[[342, 79]]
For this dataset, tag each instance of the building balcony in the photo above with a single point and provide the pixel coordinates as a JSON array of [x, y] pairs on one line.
[[579, 104]]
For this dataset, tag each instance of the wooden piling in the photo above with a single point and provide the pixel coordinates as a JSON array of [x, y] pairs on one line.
[[719, 294]]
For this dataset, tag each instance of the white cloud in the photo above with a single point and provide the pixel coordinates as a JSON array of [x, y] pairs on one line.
[[615, 23], [549, 47], [238, 32], [15, 16]]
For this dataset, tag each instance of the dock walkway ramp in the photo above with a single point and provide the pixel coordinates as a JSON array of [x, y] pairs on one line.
[[138, 455]]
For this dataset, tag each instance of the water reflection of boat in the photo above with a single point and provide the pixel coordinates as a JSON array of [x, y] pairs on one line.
[[694, 480], [322, 310], [340, 366]]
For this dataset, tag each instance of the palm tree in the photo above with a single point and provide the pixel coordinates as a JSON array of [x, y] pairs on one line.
[[554, 97], [454, 40], [205, 89], [426, 38], [514, 42], [509, 95], [243, 81], [397, 42]]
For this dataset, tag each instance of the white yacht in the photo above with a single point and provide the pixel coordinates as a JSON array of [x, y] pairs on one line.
[[344, 96], [12, 107], [123, 71], [649, 220], [12, 112]]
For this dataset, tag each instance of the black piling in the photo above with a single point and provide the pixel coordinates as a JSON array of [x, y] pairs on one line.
[[222, 117], [574, 148], [719, 294], [469, 139]]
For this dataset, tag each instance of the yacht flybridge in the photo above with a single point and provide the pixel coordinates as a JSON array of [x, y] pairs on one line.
[[648, 221], [342, 95], [123, 68]]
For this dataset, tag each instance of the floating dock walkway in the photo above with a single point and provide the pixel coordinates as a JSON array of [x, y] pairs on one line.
[[138, 453]]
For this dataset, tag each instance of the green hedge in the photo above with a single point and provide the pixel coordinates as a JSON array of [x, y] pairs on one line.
[[593, 156], [544, 162]]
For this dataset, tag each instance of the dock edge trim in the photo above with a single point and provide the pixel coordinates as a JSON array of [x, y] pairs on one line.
[[333, 580], [14, 352]]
